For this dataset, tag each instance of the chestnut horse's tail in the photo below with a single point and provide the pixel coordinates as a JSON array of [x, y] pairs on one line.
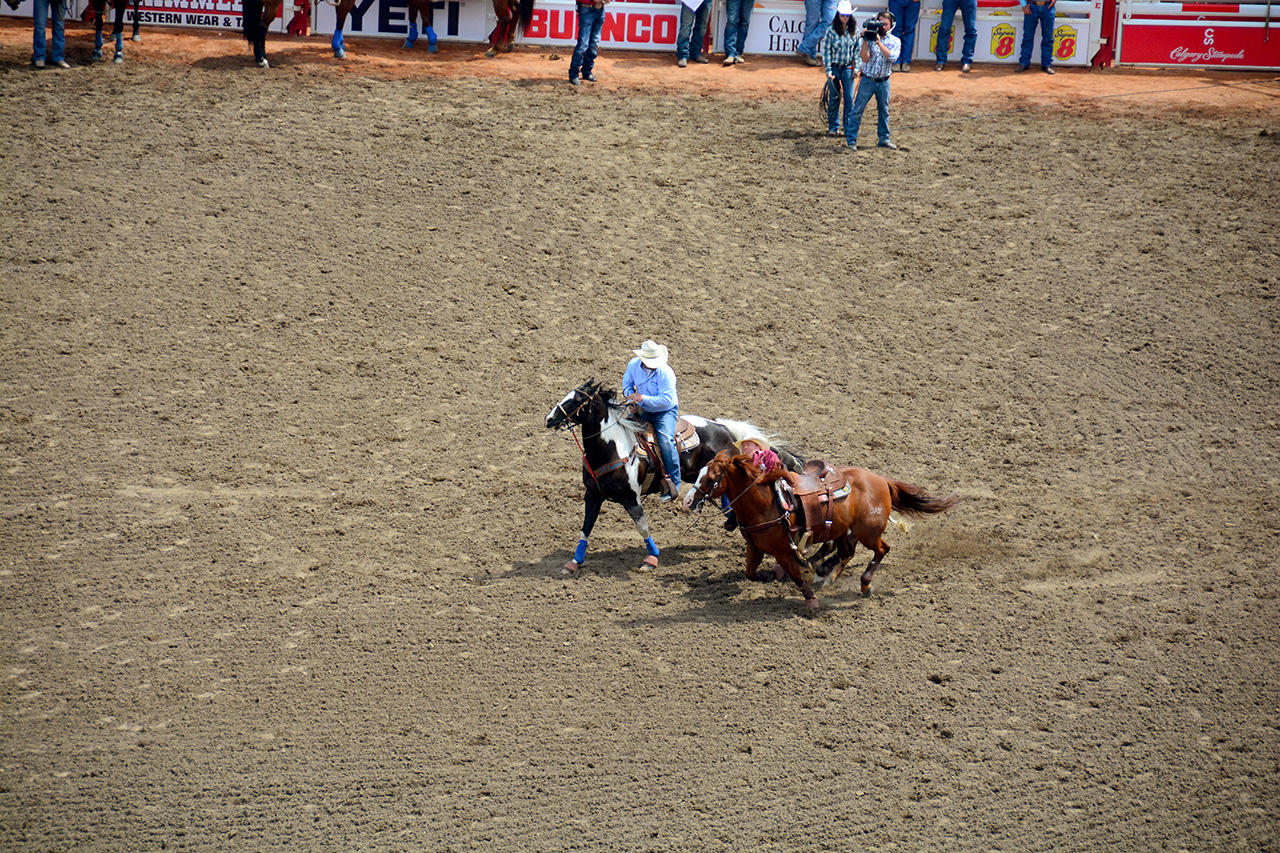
[[526, 15], [908, 498], [252, 21]]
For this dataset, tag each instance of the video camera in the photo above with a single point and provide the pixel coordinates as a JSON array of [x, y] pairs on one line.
[[873, 29]]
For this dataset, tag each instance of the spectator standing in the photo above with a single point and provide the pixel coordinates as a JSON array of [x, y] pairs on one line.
[[1037, 12], [40, 51], [841, 58], [879, 51], [969, 14], [907, 12], [818, 15], [590, 23], [737, 21], [693, 33]]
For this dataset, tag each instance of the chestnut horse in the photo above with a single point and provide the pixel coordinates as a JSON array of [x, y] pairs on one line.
[[98, 9], [257, 17], [615, 467], [769, 528]]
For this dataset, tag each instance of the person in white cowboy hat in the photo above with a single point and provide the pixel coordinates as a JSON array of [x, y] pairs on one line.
[[649, 384]]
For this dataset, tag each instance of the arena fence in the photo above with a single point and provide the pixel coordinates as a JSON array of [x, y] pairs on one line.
[[1128, 32]]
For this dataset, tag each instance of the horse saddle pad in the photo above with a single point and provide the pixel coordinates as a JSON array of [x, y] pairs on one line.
[[818, 487], [686, 435]]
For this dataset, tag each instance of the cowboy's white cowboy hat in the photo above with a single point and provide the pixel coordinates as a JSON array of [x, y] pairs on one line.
[[845, 8], [652, 355]]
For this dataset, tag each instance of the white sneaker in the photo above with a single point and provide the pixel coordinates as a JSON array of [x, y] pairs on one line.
[[37, 63], [61, 64]]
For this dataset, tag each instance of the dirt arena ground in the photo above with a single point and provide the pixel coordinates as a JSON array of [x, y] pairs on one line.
[[282, 527]]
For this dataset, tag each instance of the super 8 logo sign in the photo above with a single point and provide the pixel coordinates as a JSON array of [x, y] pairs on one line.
[[1064, 42], [933, 38], [1002, 41]]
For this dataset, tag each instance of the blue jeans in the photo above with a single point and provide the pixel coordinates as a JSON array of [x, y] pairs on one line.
[[818, 15], [907, 14], [693, 30], [737, 20], [40, 19], [866, 88], [664, 424], [1044, 15], [969, 14], [590, 23], [841, 94]]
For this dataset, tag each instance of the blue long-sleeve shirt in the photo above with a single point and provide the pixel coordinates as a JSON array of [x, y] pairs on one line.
[[657, 386]]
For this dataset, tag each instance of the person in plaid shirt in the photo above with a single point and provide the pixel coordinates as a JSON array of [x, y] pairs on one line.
[[877, 56], [841, 58]]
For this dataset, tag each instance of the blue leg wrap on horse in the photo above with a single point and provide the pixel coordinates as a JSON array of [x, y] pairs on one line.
[[97, 40], [413, 35], [431, 38], [337, 42], [651, 546], [580, 554], [119, 42]]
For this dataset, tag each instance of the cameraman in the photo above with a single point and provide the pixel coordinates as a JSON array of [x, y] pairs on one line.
[[880, 50]]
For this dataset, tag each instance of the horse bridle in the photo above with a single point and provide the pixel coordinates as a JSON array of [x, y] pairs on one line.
[[697, 490]]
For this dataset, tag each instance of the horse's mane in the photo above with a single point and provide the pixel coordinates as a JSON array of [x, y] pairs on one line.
[[622, 414]]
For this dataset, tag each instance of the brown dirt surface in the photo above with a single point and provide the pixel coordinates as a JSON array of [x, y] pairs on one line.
[[282, 527]]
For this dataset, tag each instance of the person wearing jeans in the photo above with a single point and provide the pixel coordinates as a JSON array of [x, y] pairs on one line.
[[878, 57], [649, 384], [1037, 12], [590, 23], [818, 15], [39, 20], [907, 13], [737, 20], [969, 14], [841, 59], [693, 32]]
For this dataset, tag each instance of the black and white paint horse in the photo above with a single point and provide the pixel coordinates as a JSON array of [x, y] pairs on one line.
[[615, 466]]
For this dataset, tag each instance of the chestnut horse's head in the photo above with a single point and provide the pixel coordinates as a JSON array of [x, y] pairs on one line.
[[712, 480]]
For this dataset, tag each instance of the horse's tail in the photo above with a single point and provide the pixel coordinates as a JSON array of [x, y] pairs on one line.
[[908, 498], [252, 10], [525, 17]]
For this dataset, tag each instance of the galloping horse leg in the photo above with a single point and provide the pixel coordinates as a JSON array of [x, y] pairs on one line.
[[881, 549], [834, 565], [338, 43], [591, 511], [642, 524], [791, 567], [270, 11], [137, 22]]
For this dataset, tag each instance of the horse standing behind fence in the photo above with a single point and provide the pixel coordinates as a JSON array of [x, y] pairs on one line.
[[98, 9], [615, 467]]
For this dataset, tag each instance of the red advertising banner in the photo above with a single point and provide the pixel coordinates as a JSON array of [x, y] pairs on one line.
[[1199, 44]]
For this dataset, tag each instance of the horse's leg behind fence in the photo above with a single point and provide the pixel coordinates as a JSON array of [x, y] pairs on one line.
[[137, 22], [117, 29], [338, 43], [99, 11]]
